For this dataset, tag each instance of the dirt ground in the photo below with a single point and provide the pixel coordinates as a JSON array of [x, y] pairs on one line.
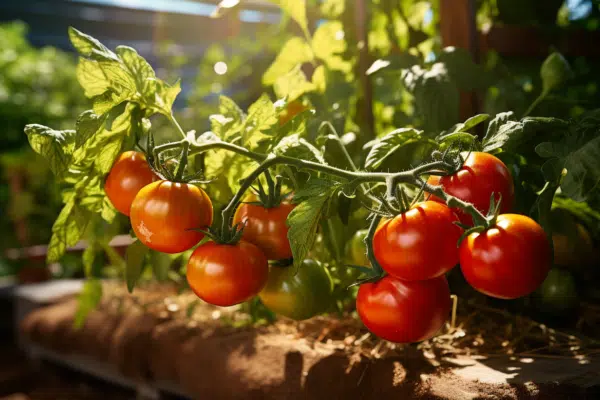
[[211, 354]]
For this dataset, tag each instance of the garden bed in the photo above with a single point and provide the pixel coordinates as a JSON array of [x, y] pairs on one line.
[[159, 340]]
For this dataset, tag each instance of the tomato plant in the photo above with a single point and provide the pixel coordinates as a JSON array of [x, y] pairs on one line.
[[404, 311], [558, 293], [356, 251], [418, 244], [127, 177], [224, 274], [166, 216], [391, 149], [481, 175], [266, 227], [509, 260], [572, 243], [298, 293]]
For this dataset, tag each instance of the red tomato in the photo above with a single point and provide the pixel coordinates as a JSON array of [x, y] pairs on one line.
[[404, 311], [266, 227], [481, 175], [163, 214], [128, 175], [225, 274], [418, 244], [509, 260]]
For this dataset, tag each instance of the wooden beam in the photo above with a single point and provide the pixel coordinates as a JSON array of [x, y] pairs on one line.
[[458, 28]]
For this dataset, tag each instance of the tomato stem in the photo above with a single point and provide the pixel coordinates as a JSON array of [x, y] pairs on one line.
[[478, 218], [378, 271], [182, 161], [177, 126]]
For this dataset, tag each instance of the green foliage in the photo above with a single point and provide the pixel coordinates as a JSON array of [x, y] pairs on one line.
[[88, 299], [303, 222], [384, 147], [135, 257], [124, 90]]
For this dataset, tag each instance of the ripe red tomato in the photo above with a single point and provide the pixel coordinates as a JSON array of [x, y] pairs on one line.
[[481, 175], [509, 260], [266, 227], [128, 175], [226, 274], [404, 311], [418, 244], [163, 214]]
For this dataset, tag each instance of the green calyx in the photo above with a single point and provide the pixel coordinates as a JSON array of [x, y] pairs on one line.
[[229, 236]]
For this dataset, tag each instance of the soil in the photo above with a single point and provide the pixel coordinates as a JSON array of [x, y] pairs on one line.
[[213, 353]]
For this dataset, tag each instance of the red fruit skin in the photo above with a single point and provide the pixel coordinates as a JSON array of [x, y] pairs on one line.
[[481, 175], [129, 174], [403, 311], [420, 243], [266, 227], [165, 216], [225, 275], [509, 260]]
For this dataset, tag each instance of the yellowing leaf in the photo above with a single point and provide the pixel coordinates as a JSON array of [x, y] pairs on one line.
[[329, 40], [293, 85], [296, 9], [293, 53]]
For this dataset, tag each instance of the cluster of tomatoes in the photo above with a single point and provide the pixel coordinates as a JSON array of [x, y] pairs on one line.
[[169, 216], [418, 247]]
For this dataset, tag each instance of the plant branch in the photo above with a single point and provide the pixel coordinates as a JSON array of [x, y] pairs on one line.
[[369, 244], [177, 126], [451, 201]]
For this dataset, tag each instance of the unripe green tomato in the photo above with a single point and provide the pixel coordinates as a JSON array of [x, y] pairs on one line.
[[558, 293], [298, 293], [356, 250]]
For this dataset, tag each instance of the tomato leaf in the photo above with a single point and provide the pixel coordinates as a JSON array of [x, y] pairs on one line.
[[88, 299], [67, 229], [296, 9], [135, 256], [384, 147], [261, 117], [436, 96], [110, 79], [229, 123], [470, 123], [88, 123], [56, 146], [328, 43], [462, 70], [90, 47], [577, 150], [104, 146], [297, 147], [303, 221], [293, 84], [89, 257], [333, 8], [294, 52], [499, 130]]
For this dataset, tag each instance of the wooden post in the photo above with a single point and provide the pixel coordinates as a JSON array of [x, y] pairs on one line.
[[458, 28], [362, 33]]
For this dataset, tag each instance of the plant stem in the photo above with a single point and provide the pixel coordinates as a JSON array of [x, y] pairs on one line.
[[369, 244], [183, 161], [451, 201], [535, 103], [179, 128]]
